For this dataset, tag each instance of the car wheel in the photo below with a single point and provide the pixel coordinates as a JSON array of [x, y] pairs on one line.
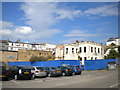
[[63, 74], [16, 77], [49, 75], [33, 76]]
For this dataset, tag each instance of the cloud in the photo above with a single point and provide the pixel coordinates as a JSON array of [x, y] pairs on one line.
[[45, 14], [24, 30], [26, 33], [106, 10], [68, 14], [5, 24], [80, 33]]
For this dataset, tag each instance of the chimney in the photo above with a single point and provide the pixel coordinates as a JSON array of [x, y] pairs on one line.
[[76, 41]]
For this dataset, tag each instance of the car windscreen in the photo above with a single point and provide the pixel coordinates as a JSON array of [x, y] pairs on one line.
[[40, 68]]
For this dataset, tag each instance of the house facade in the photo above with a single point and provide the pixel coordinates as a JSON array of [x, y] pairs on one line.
[[90, 51], [110, 41], [80, 51], [15, 46]]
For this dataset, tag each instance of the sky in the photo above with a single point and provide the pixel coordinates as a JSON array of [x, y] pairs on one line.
[[59, 22]]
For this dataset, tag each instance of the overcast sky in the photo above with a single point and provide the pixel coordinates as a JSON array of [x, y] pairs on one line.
[[58, 23]]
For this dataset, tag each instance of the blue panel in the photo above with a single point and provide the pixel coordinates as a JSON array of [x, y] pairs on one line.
[[56, 63], [97, 64], [19, 63]]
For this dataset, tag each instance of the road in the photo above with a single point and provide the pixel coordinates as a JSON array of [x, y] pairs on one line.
[[88, 79]]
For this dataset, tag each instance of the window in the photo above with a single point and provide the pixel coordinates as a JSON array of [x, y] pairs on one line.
[[11, 48], [12, 44], [44, 53], [39, 53], [95, 58], [11, 56], [80, 59], [72, 50], [33, 45], [85, 58], [91, 58], [84, 49], [80, 49], [91, 49], [95, 49], [101, 51], [76, 50], [66, 50], [98, 50]]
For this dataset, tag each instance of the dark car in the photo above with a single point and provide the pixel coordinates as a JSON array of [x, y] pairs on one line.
[[53, 71], [21, 72], [4, 73], [77, 70], [66, 70]]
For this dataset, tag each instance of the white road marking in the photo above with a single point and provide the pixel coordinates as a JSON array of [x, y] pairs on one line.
[[114, 85]]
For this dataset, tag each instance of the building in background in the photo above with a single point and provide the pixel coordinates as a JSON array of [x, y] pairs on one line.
[[8, 56], [116, 41], [25, 55], [15, 46], [44, 47], [22, 51], [80, 51], [90, 51], [4, 44], [112, 43]]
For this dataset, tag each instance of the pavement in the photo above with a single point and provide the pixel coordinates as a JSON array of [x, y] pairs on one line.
[[88, 79]]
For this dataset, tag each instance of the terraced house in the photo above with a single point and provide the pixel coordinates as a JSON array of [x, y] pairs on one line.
[[22, 51]]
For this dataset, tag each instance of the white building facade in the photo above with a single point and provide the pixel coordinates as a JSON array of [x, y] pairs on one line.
[[90, 51], [116, 41], [110, 41], [80, 51], [15, 46]]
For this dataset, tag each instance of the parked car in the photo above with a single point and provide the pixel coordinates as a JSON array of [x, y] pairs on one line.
[[4, 73], [38, 71], [77, 70], [53, 71], [66, 70], [21, 72]]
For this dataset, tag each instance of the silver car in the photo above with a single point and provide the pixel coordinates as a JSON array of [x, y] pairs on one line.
[[38, 71]]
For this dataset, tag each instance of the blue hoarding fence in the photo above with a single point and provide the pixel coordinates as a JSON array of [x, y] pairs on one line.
[[56, 63], [53, 63], [19, 63], [88, 64], [97, 64]]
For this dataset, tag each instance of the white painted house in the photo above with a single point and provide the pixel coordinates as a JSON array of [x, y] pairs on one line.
[[44, 47], [116, 41], [14, 46], [90, 51], [80, 51]]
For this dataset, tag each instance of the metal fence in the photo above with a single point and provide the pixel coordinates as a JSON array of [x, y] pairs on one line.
[[88, 64], [97, 64]]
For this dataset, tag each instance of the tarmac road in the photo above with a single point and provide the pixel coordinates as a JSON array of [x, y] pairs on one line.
[[88, 79]]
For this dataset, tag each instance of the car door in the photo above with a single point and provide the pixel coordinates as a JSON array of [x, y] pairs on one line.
[[14, 71]]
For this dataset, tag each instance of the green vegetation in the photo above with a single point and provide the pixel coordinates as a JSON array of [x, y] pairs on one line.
[[41, 58], [112, 54]]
